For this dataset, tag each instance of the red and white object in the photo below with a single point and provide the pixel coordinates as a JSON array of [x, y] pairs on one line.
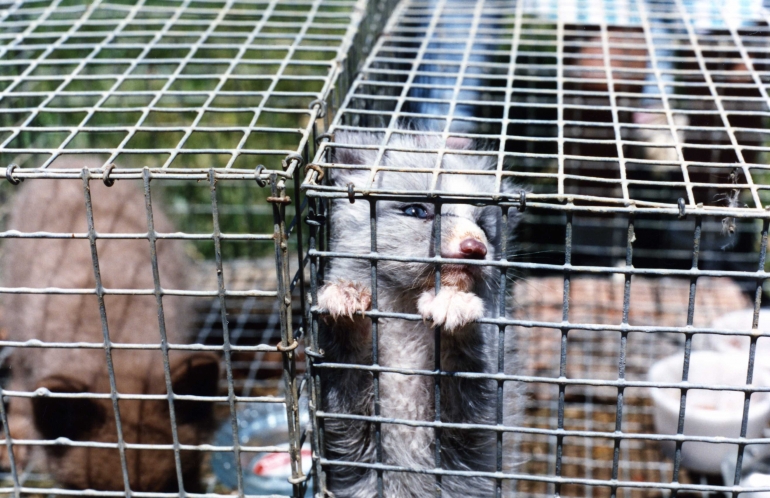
[[278, 464]]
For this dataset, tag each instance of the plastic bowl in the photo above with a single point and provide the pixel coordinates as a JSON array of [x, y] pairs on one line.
[[708, 413], [741, 320]]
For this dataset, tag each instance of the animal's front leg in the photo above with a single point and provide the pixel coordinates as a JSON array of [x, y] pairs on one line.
[[450, 308], [343, 298], [349, 335]]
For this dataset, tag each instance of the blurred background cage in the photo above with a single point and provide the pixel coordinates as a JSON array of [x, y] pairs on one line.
[[638, 129]]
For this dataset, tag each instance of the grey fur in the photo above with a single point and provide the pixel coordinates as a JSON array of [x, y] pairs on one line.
[[59, 206], [407, 344]]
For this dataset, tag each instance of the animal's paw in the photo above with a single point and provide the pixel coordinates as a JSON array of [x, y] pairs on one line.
[[343, 298], [451, 308]]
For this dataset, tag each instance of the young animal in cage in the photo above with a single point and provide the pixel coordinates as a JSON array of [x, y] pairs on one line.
[[469, 233], [69, 380]]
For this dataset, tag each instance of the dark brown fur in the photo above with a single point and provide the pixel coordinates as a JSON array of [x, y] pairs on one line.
[[59, 206]]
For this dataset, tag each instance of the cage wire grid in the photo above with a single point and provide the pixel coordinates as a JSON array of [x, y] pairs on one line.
[[123, 71], [642, 119], [569, 181], [174, 94]]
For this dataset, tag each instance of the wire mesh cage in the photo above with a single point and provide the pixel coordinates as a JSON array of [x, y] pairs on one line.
[[158, 244], [626, 142], [152, 291]]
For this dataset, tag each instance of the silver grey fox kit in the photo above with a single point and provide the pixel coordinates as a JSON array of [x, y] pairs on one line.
[[466, 294], [59, 206]]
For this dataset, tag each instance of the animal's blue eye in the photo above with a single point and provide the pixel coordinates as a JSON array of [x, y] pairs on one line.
[[417, 211]]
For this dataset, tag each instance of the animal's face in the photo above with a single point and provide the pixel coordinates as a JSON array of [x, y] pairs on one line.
[[407, 228], [145, 422]]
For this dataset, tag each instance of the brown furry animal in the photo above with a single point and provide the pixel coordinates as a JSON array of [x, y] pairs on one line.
[[59, 206]]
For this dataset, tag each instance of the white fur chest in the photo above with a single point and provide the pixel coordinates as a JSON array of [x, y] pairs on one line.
[[407, 345]]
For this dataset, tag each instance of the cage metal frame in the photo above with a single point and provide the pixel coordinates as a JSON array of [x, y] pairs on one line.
[[416, 22], [292, 158], [282, 295], [560, 202], [28, 25]]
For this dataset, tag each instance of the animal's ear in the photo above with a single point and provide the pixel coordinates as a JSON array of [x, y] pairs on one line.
[[196, 375], [73, 418], [351, 149]]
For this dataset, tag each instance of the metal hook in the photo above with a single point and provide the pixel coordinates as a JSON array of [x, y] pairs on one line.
[[260, 169], [293, 156], [351, 193], [522, 201], [324, 136], [9, 175], [681, 205], [108, 182], [285, 349], [320, 103], [317, 169]]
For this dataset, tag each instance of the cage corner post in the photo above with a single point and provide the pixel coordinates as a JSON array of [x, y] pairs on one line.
[[279, 199], [313, 355]]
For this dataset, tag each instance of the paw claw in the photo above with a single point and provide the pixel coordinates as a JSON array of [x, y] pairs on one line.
[[451, 308], [344, 298]]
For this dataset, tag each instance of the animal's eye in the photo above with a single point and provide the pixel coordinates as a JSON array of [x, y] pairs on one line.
[[416, 210]]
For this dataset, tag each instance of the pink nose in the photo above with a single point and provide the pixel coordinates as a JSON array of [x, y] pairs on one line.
[[473, 249]]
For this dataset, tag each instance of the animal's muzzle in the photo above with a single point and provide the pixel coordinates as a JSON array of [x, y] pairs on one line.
[[473, 249]]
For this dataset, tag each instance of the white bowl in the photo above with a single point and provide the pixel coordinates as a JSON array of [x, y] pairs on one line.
[[741, 320], [708, 413], [758, 481]]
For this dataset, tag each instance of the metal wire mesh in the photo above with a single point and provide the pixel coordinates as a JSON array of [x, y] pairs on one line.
[[636, 130], [173, 86], [203, 111]]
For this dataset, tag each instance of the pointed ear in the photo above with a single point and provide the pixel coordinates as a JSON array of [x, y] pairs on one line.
[[353, 155], [73, 418], [197, 375]]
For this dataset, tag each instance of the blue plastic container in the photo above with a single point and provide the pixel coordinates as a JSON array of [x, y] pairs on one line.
[[260, 424]]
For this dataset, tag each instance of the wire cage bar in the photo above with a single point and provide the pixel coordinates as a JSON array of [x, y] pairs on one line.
[[184, 125], [180, 88], [631, 138], [625, 140]]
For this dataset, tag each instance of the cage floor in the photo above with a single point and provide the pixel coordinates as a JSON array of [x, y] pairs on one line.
[[595, 355]]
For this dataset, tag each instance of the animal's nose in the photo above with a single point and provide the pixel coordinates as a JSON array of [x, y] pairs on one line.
[[473, 249]]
